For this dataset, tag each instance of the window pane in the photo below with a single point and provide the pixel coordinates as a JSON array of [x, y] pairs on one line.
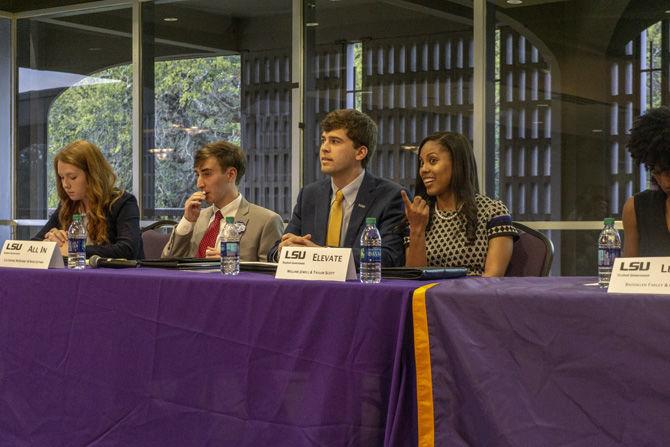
[[575, 251], [5, 122], [5, 233], [409, 67], [74, 83], [26, 232], [231, 83], [569, 86]]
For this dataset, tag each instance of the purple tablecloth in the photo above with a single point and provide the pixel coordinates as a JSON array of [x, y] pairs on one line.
[[548, 362], [167, 358]]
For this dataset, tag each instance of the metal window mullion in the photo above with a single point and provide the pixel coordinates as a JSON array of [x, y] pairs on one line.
[[13, 85], [297, 94], [479, 86], [74, 9], [665, 62], [137, 124]]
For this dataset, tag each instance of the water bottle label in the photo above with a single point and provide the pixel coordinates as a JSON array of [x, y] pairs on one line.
[[76, 245], [606, 256], [230, 249], [371, 254]]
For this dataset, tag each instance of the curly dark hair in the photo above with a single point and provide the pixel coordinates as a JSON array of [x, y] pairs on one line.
[[463, 179], [649, 141]]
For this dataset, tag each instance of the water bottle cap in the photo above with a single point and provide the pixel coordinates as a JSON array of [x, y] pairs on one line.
[[609, 221], [371, 221], [230, 219], [76, 217]]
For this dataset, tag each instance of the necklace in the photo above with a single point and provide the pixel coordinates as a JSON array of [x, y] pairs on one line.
[[447, 215]]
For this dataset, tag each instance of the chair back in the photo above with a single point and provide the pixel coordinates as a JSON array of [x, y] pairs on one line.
[[532, 254], [155, 236]]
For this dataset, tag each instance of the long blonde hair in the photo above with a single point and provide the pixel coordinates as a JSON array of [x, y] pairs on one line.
[[100, 190]]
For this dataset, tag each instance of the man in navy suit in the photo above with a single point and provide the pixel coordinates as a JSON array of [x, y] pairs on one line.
[[348, 141]]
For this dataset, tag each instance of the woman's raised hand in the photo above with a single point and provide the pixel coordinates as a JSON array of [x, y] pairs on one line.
[[416, 211]]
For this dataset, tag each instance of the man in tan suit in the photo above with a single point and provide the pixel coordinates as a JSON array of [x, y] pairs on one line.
[[219, 167]]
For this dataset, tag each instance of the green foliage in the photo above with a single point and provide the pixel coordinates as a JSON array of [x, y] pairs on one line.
[[100, 113], [358, 73], [196, 101], [653, 61]]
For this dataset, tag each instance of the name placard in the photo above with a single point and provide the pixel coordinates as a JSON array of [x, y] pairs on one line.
[[31, 255], [316, 263], [640, 275]]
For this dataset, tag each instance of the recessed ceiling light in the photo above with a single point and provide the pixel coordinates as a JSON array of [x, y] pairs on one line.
[[170, 19], [311, 24], [514, 2]]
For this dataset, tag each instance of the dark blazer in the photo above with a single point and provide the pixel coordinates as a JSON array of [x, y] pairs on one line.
[[376, 197], [123, 230]]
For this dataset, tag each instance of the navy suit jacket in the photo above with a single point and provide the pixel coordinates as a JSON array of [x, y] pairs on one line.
[[376, 197]]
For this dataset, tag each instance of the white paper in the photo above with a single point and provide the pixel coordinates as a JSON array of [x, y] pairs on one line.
[[31, 255], [316, 263], [640, 275]]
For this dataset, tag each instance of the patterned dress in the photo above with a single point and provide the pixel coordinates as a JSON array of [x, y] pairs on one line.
[[447, 246]]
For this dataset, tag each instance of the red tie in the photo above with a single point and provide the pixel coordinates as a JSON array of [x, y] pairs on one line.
[[210, 236]]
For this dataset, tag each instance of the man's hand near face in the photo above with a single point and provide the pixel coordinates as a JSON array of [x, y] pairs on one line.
[[193, 205]]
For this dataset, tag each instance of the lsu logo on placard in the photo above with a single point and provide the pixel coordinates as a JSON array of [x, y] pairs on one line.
[[295, 254], [13, 246], [635, 266]]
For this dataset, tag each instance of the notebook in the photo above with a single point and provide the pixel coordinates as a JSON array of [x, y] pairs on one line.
[[423, 272], [182, 263], [206, 264], [263, 267]]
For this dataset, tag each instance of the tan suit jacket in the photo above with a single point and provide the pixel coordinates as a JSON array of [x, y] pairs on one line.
[[263, 229]]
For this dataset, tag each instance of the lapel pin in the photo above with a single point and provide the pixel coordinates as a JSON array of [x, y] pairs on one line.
[[361, 205], [241, 227]]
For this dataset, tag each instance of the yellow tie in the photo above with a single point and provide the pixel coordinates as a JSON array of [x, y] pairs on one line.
[[335, 221]]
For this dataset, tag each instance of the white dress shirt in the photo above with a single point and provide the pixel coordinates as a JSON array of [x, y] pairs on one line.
[[185, 227]]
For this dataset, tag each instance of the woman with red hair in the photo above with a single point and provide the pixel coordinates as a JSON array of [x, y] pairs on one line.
[[86, 186]]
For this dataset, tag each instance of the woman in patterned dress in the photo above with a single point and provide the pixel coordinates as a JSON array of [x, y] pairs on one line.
[[450, 223]]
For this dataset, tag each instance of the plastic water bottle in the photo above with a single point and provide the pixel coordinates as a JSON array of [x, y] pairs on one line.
[[609, 248], [371, 253], [76, 243], [230, 247]]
